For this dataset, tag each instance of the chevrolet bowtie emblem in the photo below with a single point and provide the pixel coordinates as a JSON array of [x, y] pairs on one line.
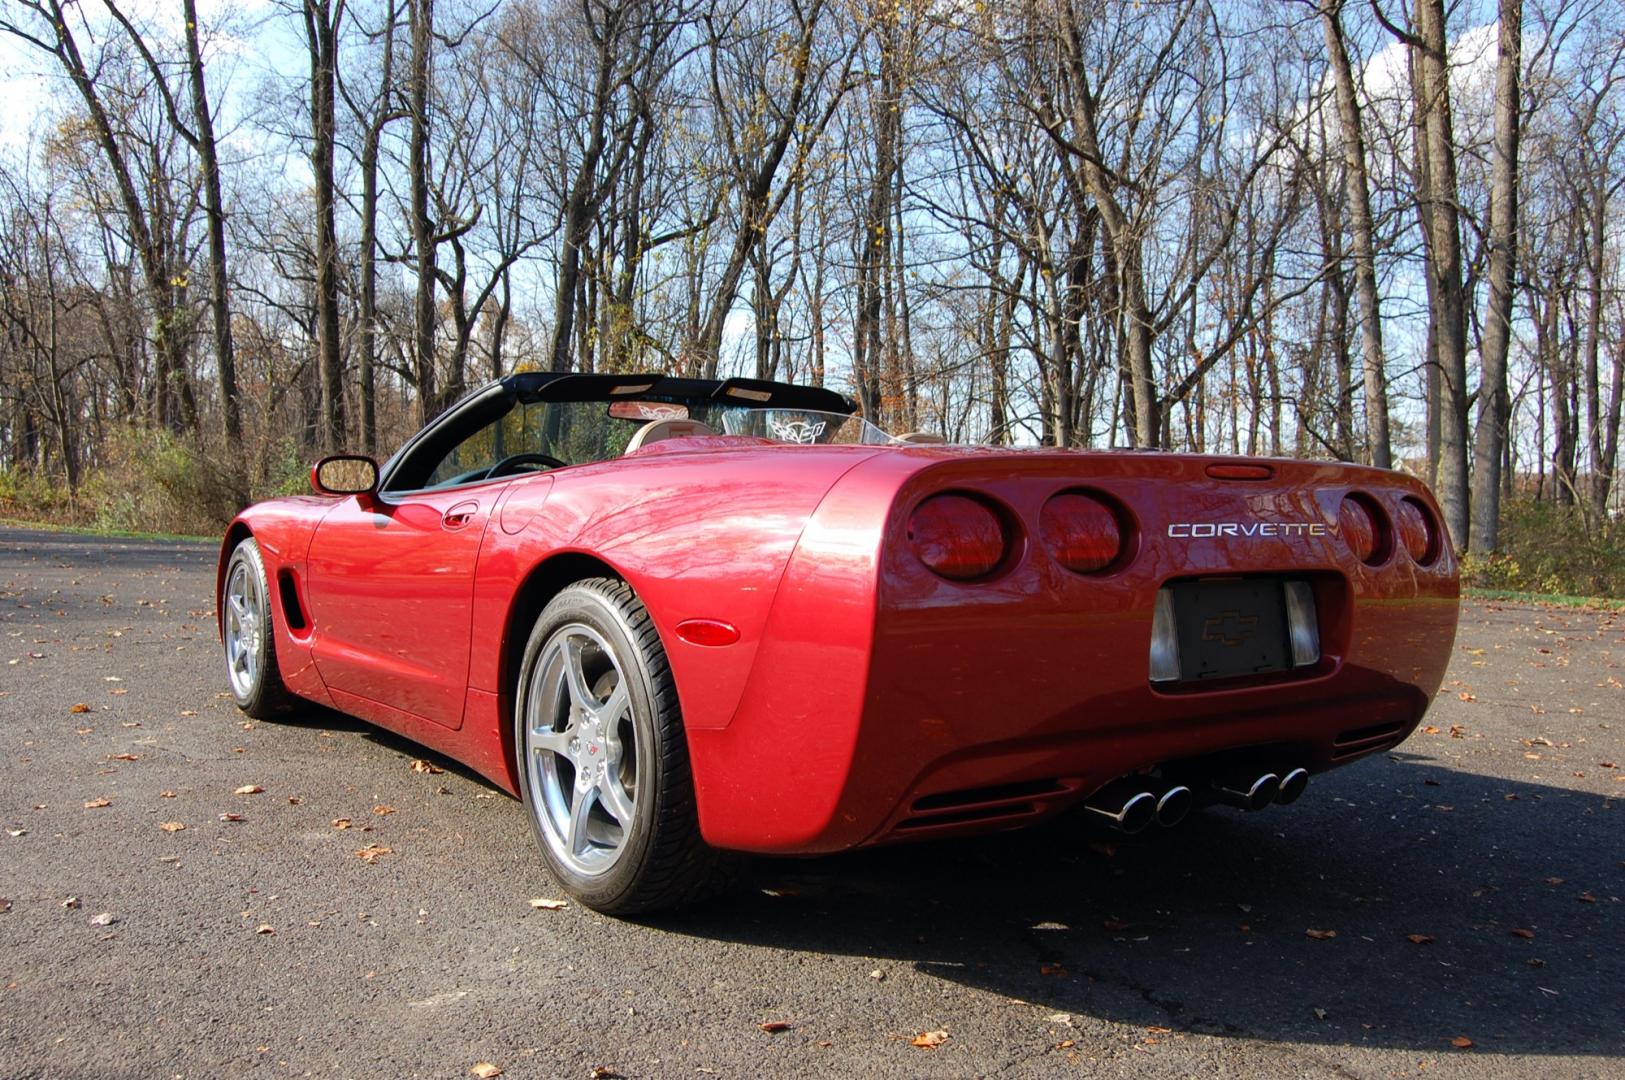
[[1230, 628]]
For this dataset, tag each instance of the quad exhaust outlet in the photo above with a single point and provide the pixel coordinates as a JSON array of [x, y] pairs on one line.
[[1133, 803]]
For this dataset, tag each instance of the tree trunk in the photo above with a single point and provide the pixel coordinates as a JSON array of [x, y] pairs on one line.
[[1441, 221], [423, 238], [1362, 245], [1490, 438], [214, 205], [321, 40]]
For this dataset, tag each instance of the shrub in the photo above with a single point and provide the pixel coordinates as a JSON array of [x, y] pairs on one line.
[[1551, 549]]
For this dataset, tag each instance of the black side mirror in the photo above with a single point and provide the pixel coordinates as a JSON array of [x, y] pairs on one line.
[[344, 474]]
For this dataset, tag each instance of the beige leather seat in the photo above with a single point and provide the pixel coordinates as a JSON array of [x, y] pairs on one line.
[[656, 430]]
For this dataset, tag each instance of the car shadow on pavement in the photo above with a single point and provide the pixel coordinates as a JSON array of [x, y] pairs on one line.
[[1400, 904]]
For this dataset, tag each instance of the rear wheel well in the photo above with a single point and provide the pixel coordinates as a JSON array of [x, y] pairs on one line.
[[545, 581]]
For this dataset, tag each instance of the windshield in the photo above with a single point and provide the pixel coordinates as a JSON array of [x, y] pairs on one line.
[[551, 434]]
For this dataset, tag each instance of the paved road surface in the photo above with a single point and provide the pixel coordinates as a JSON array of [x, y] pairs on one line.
[[263, 946]]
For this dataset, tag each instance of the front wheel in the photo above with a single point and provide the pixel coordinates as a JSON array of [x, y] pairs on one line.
[[603, 758], [248, 636]]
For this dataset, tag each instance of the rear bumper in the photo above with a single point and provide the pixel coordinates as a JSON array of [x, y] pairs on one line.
[[889, 704]]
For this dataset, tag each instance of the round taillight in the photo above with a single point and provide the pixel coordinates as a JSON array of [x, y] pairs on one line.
[[1360, 524], [957, 537], [1417, 532], [1080, 532]]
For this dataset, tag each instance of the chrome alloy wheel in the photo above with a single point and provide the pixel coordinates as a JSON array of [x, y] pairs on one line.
[[246, 623], [581, 750]]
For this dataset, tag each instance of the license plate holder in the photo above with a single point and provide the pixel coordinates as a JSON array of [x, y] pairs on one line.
[[1231, 627]]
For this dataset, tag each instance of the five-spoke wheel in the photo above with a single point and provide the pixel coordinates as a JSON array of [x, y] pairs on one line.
[[246, 633], [603, 758]]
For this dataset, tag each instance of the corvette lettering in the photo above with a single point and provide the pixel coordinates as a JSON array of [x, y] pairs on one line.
[[1203, 530]]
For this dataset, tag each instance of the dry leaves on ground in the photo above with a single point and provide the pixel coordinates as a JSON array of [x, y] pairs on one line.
[[1461, 1042], [929, 1040], [771, 1026], [172, 826], [1419, 939], [372, 853], [547, 903], [422, 766], [249, 789], [97, 804], [1321, 935], [485, 1070], [79, 708]]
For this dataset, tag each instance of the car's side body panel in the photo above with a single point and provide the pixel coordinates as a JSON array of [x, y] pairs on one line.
[[867, 699]]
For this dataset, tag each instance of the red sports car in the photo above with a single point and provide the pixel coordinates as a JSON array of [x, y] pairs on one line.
[[683, 618]]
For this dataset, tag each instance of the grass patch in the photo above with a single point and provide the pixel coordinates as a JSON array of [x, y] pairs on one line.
[[92, 530], [1591, 603]]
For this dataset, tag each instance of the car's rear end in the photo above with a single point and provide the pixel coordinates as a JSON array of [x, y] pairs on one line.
[[1138, 631]]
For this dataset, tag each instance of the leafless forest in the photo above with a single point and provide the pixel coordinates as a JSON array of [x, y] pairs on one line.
[[1304, 227]]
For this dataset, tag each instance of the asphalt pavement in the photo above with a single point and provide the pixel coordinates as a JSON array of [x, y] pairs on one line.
[[188, 893]]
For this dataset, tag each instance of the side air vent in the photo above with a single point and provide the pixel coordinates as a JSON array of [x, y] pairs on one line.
[[292, 610]]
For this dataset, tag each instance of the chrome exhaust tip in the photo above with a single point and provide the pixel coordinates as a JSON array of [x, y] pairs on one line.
[[1173, 805], [1293, 785], [1130, 809], [1254, 795]]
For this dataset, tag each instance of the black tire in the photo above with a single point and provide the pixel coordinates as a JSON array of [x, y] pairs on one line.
[[643, 851], [250, 651]]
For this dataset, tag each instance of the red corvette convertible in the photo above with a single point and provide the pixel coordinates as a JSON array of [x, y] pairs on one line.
[[684, 618]]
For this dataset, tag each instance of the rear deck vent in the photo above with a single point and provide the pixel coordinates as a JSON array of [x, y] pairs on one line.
[[998, 793], [1364, 740], [967, 817]]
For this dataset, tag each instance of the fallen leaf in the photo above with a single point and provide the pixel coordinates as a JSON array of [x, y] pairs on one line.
[[877, 975], [248, 789], [1051, 969], [1464, 696], [1527, 935], [1321, 935], [1116, 925], [232, 817], [5, 905], [166, 794], [1461, 1042], [1320, 1014], [1554, 881], [1419, 939], [341, 823], [1586, 897], [372, 852], [422, 766], [382, 810], [1157, 1029], [929, 1040], [106, 918], [96, 804], [485, 1070], [79, 708], [606, 1072], [264, 928], [71, 902], [771, 1026], [124, 757], [1430, 730], [172, 826], [546, 903]]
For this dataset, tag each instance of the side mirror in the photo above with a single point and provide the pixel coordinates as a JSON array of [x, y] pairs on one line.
[[344, 474]]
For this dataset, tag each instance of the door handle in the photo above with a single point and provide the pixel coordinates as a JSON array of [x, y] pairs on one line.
[[459, 515]]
